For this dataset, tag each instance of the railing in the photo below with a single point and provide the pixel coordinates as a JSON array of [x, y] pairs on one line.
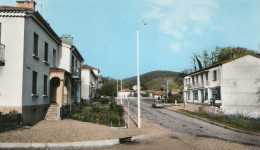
[[2, 54], [76, 72], [198, 84]]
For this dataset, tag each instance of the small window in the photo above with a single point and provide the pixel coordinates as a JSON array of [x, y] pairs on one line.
[[215, 75], [46, 52], [45, 85], [35, 44], [54, 58], [34, 83], [206, 76]]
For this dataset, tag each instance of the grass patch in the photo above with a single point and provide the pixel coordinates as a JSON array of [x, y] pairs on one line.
[[238, 122]]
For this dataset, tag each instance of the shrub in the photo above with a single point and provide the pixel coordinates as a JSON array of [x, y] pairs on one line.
[[101, 114], [174, 97], [11, 117]]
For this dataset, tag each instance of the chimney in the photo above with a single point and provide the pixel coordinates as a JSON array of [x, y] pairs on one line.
[[67, 39], [26, 4]]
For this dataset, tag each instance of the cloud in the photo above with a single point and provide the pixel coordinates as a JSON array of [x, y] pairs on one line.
[[176, 47], [177, 17]]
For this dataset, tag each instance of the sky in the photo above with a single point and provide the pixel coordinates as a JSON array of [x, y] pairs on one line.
[[170, 31]]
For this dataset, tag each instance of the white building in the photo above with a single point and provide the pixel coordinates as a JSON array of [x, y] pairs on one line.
[[125, 93], [90, 82], [36, 66], [234, 85]]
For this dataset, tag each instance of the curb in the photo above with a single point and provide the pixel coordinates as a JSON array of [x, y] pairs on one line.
[[220, 125], [83, 144]]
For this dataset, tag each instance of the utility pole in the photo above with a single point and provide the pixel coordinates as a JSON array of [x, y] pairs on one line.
[[167, 90], [121, 92], [138, 84]]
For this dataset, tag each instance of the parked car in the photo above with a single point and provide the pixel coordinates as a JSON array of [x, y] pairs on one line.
[[157, 104]]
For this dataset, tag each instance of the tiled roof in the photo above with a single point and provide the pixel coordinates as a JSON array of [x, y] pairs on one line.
[[11, 8], [221, 63], [6, 11], [126, 91], [54, 69], [89, 67]]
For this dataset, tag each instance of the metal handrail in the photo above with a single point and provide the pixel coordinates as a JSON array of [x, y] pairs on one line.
[[76, 71]]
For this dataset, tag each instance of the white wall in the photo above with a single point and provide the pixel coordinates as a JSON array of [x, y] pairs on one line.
[[123, 94], [64, 57], [12, 36], [32, 64], [241, 84], [85, 80]]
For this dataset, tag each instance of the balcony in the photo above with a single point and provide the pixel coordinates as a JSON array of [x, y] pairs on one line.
[[76, 72], [2, 54], [198, 84]]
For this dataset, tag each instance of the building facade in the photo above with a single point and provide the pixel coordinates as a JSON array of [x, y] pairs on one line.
[[90, 82], [232, 85], [36, 66]]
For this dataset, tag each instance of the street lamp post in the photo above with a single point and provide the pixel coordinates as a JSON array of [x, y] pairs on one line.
[[138, 84]]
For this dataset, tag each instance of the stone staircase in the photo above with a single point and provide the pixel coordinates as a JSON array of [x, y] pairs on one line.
[[53, 112]]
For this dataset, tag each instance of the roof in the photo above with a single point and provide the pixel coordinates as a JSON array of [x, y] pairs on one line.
[[73, 48], [126, 91], [55, 69], [221, 63], [89, 67], [11, 8], [28, 12]]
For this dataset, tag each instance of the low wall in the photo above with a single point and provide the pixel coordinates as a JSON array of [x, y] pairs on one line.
[[249, 111]]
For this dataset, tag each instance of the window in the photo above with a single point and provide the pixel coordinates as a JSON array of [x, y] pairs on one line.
[[215, 92], [215, 75], [189, 81], [206, 94], [186, 82], [0, 31], [34, 83], [195, 95], [72, 62], [207, 76], [193, 80], [46, 52], [54, 58], [45, 85], [188, 95], [35, 44]]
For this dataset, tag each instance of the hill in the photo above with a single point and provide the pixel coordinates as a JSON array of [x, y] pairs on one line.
[[156, 80]]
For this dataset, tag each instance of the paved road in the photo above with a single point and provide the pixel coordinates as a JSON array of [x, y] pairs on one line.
[[191, 126]]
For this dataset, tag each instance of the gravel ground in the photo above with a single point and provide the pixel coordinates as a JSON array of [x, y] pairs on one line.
[[67, 131], [189, 107], [158, 137]]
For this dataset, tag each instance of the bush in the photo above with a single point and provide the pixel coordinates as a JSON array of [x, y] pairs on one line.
[[11, 117], [174, 97], [101, 114], [103, 100]]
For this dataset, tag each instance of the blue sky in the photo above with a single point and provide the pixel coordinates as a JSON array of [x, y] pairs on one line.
[[105, 31]]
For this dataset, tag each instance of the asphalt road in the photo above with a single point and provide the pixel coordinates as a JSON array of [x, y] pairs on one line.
[[191, 126]]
